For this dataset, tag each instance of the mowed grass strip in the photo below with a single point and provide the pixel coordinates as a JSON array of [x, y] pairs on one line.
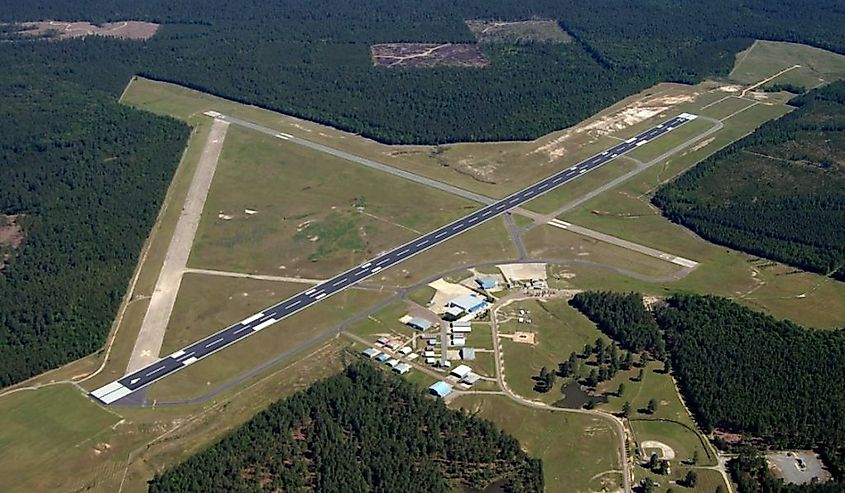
[[281, 209], [40, 428], [579, 452]]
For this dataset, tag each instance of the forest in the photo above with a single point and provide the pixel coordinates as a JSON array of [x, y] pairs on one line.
[[778, 193], [86, 177], [623, 317], [359, 431], [777, 384], [312, 59], [746, 372]]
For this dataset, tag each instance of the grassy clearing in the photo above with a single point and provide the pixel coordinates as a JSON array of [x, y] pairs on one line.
[[766, 58], [314, 215], [207, 312], [422, 295], [726, 107], [484, 364], [708, 480], [481, 336], [40, 428], [549, 242], [487, 242], [559, 330], [684, 441], [385, 322], [579, 452]]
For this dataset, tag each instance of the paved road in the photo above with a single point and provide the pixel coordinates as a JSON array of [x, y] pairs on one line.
[[128, 384]]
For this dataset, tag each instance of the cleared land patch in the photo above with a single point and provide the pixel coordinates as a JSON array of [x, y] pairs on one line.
[[428, 55], [766, 58], [536, 30], [11, 237], [67, 30]]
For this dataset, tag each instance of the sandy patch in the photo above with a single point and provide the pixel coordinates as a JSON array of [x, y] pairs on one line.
[[515, 273], [521, 337], [66, 30], [662, 450], [427, 55], [446, 291]]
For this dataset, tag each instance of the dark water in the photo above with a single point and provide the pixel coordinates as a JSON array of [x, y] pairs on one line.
[[574, 397]]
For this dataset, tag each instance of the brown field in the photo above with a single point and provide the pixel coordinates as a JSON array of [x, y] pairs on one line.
[[538, 30], [428, 55], [65, 30]]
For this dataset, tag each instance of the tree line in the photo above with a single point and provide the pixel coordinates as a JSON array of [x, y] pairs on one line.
[[778, 193], [87, 177], [359, 431], [774, 382]]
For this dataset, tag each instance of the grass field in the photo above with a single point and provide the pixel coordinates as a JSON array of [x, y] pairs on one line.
[[559, 330], [684, 441], [208, 310], [579, 452], [44, 426], [766, 58], [670, 140], [385, 322], [314, 215], [550, 242]]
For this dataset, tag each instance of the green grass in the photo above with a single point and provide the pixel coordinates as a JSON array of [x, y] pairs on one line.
[[585, 183], [684, 441], [579, 452], [213, 301], [422, 295], [480, 337], [670, 140], [316, 214], [726, 107], [559, 331], [41, 429], [708, 480], [550, 242], [385, 322], [484, 364], [766, 58]]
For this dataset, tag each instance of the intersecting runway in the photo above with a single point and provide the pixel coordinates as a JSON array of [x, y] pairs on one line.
[[137, 380]]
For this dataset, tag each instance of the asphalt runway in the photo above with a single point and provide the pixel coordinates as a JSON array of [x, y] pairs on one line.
[[114, 391]]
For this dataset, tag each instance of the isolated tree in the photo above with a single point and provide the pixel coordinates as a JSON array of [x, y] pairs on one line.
[[690, 479], [628, 361], [590, 404], [626, 409], [694, 459], [720, 489], [593, 378], [653, 461], [564, 369], [652, 406], [620, 390], [640, 375]]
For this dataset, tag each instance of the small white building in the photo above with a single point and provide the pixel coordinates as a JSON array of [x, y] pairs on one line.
[[461, 371], [471, 378], [392, 362], [402, 368], [406, 350]]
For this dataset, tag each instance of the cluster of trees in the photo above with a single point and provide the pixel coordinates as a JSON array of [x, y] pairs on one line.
[[747, 372], [314, 61], [751, 474], [87, 177], [361, 430], [624, 317], [778, 193]]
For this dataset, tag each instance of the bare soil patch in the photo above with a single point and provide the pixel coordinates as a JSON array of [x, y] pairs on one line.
[[428, 55], [11, 237], [66, 30], [535, 30]]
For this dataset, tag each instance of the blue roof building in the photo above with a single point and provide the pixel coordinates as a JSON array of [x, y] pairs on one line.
[[440, 389], [468, 303], [419, 323], [486, 282], [382, 357], [371, 352]]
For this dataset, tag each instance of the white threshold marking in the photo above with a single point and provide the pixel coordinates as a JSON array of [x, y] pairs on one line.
[[190, 360], [267, 323], [310, 291], [319, 297], [376, 269], [177, 354], [364, 266], [251, 319]]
